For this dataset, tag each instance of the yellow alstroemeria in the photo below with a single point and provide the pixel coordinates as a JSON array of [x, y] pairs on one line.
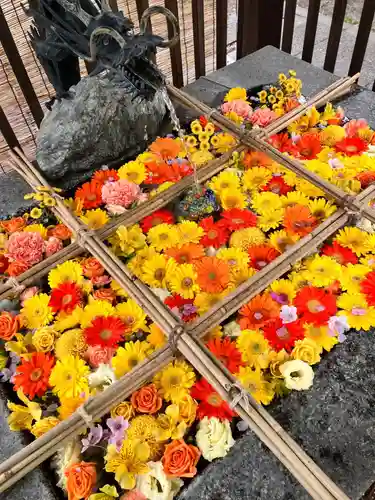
[[107, 493], [21, 345], [171, 426], [22, 417]]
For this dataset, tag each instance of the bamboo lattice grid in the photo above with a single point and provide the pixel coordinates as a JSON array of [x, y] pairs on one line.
[[185, 338]]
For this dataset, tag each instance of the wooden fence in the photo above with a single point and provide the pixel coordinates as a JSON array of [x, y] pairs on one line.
[[213, 33]]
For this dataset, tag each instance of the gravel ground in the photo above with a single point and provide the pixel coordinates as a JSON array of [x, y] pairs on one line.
[[353, 10]]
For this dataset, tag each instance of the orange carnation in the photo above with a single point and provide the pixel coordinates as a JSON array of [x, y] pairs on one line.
[[92, 268], [147, 400], [81, 479], [13, 225], [9, 326], [180, 459], [61, 232]]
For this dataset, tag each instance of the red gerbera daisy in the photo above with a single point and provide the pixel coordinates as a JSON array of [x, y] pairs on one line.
[[105, 331], [308, 146], [315, 304], [32, 374], [90, 193], [277, 185], [283, 143], [282, 336], [351, 146], [104, 176], [236, 218], [368, 288], [261, 256], [184, 308], [226, 351], [216, 234], [210, 403], [159, 217], [65, 297], [366, 178], [341, 254]]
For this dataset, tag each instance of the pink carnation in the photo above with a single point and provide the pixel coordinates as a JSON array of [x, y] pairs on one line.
[[53, 245], [263, 117], [241, 108], [26, 247], [352, 127], [133, 495], [98, 355], [28, 293], [121, 192]]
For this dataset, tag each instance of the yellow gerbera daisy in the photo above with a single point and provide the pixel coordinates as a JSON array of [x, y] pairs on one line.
[[324, 270], [309, 189], [189, 232], [136, 263], [290, 178], [255, 178], [332, 134], [37, 228], [182, 280], [236, 93], [321, 209], [200, 158], [234, 257], [264, 202], [94, 309], [132, 316], [360, 316], [352, 276], [353, 238], [156, 336], [225, 180], [232, 198], [237, 276], [69, 377], [175, 380], [285, 290], [300, 279], [254, 348], [163, 236], [127, 357], [155, 270], [262, 391], [36, 312], [319, 168], [294, 198], [270, 219], [70, 321], [67, 271], [282, 241], [95, 219], [320, 335], [204, 301], [247, 237], [133, 171]]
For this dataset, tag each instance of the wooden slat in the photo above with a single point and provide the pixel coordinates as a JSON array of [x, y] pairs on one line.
[[310, 33], [7, 131], [288, 30], [19, 70], [221, 33], [248, 27], [113, 5], [335, 34], [176, 55], [198, 34], [364, 30]]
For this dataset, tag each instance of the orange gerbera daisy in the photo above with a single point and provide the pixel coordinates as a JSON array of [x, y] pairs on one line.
[[261, 255], [299, 220], [213, 274], [32, 375], [103, 176], [186, 254], [256, 159], [166, 147], [258, 312], [90, 193]]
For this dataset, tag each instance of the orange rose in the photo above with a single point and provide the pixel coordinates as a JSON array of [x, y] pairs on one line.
[[16, 268], [146, 400], [92, 267], [180, 459], [9, 326], [61, 232], [13, 225], [105, 294], [81, 479]]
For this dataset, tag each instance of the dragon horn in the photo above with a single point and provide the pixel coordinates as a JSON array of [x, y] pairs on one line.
[[156, 9], [104, 31], [75, 8]]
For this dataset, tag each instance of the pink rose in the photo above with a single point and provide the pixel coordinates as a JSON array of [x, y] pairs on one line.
[[101, 280], [121, 192], [26, 247], [28, 293], [352, 127], [263, 117], [53, 245], [98, 355], [133, 495], [241, 108]]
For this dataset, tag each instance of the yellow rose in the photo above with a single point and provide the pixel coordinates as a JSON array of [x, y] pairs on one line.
[[307, 350], [44, 339], [276, 359], [44, 425], [124, 409], [187, 409]]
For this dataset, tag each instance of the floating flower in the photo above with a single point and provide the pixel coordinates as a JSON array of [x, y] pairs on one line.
[[9, 325], [68, 271], [298, 375], [247, 237], [263, 117], [52, 246], [103, 176], [127, 463], [162, 216], [214, 438], [36, 311], [261, 256], [144, 428], [258, 312], [90, 194], [351, 146], [180, 459], [66, 297], [183, 281], [254, 348], [174, 381], [264, 202], [81, 480], [315, 305], [225, 180], [95, 219], [320, 335], [156, 485], [146, 400], [236, 94], [359, 315], [308, 146], [353, 238], [44, 425], [69, 377], [166, 147], [231, 199], [352, 277], [186, 254], [129, 356], [32, 374], [299, 220], [234, 257], [225, 351], [13, 225], [341, 254], [163, 236], [26, 247], [254, 382], [120, 193], [60, 231], [283, 335], [307, 350], [367, 287], [324, 270], [215, 234], [277, 185], [210, 403], [270, 220], [156, 269], [255, 178], [212, 274], [105, 331], [235, 219], [133, 171]]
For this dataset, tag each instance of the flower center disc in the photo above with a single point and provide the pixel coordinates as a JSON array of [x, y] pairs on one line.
[[258, 315], [159, 274], [105, 334], [314, 306], [67, 300], [214, 400], [212, 234], [212, 276], [187, 282], [36, 374]]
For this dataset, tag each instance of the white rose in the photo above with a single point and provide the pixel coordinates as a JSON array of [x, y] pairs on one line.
[[297, 374], [232, 329], [214, 438], [156, 485], [102, 376]]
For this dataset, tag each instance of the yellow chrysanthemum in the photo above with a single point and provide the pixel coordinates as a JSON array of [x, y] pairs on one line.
[[36, 312], [182, 280], [321, 209], [127, 463], [132, 315], [232, 198], [294, 198], [253, 381], [71, 343], [352, 276], [282, 241], [37, 228], [285, 290], [94, 309], [129, 356], [264, 202], [332, 134], [175, 380], [234, 257], [163, 236], [320, 335], [225, 180], [255, 178], [67, 271], [236, 93], [133, 171], [155, 270], [189, 232], [204, 301], [144, 429], [254, 348], [270, 219], [309, 189], [353, 238], [360, 316], [69, 377], [247, 237], [324, 270], [95, 219]]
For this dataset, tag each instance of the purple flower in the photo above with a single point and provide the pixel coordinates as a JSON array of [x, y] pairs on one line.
[[288, 314], [338, 325], [117, 440], [117, 425], [93, 438]]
